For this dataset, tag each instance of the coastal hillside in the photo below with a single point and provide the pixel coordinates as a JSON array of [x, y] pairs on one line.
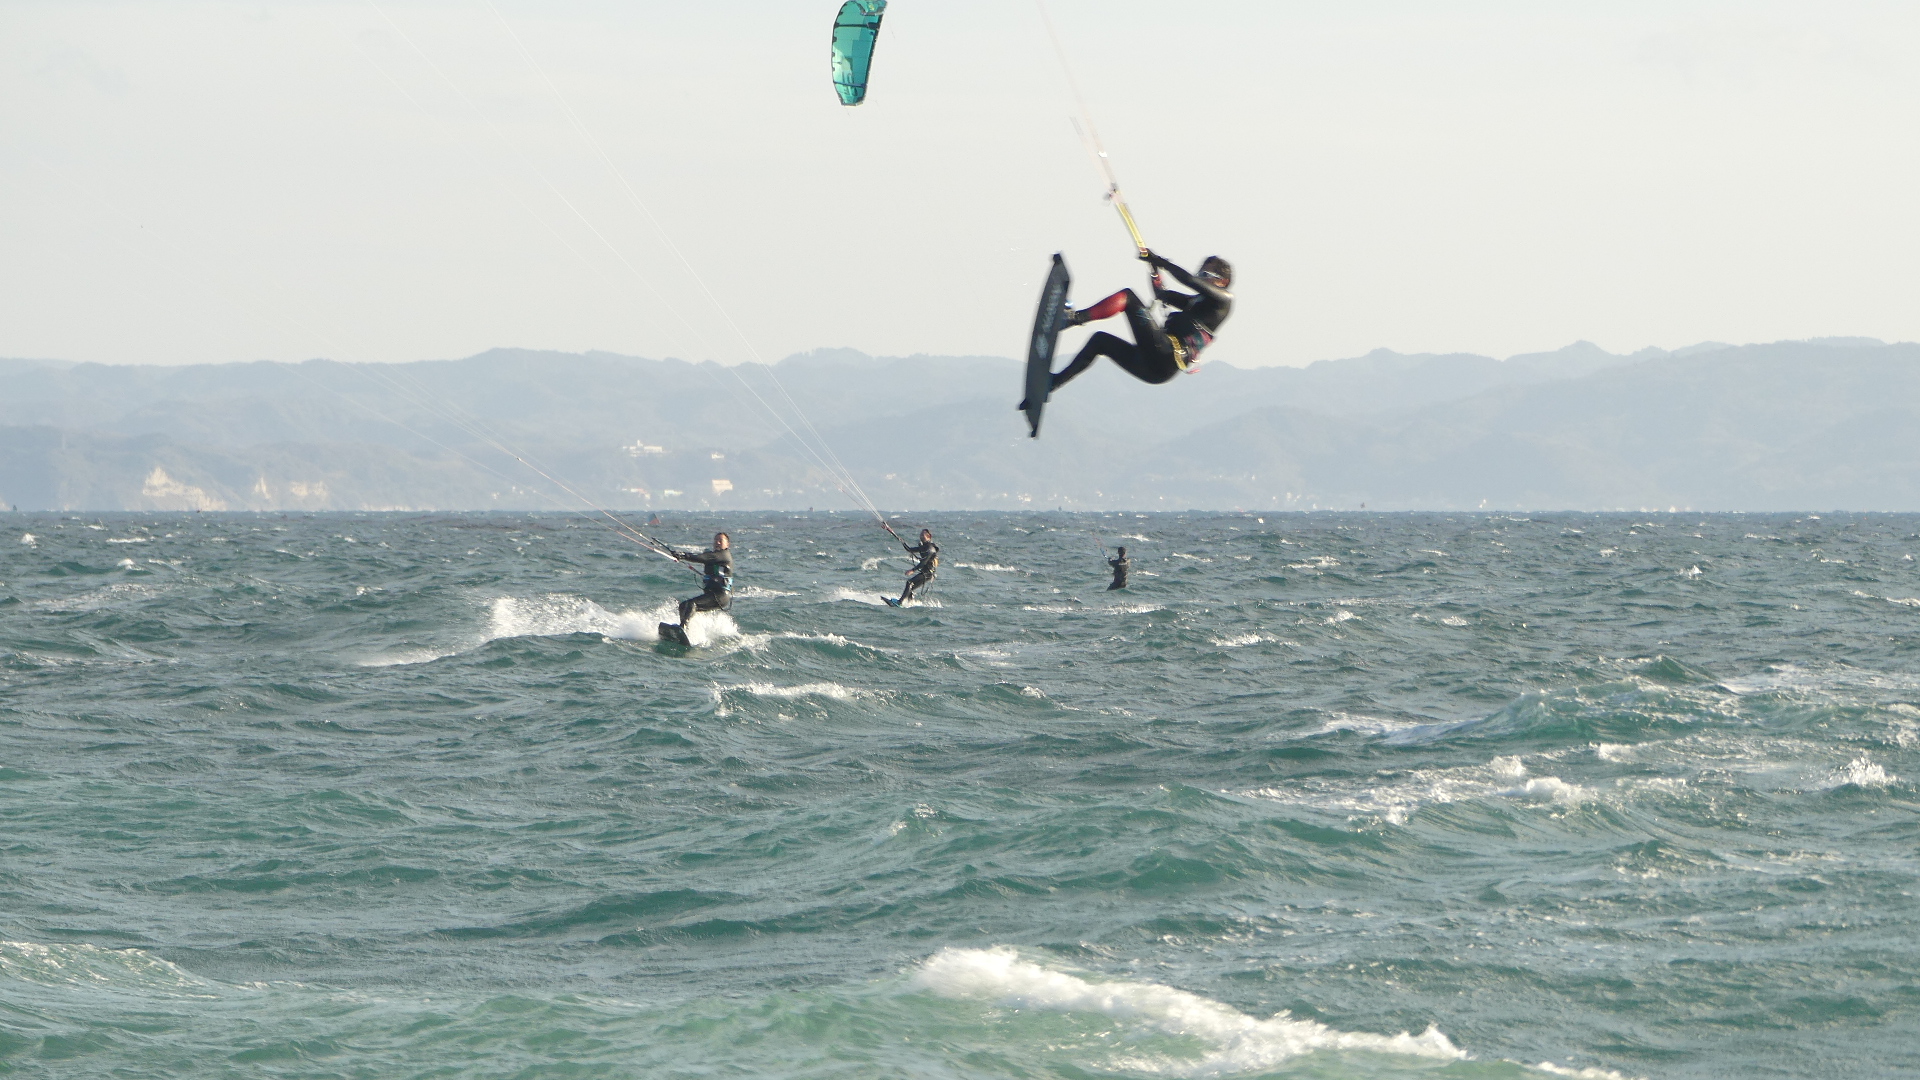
[[1826, 424]]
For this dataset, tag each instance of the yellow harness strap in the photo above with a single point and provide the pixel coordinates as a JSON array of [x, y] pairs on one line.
[[1182, 359]]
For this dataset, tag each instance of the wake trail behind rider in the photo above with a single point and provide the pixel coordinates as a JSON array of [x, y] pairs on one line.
[[1156, 354]]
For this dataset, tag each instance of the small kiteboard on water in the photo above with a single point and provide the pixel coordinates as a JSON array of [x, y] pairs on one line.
[[1047, 324], [675, 634], [892, 601]]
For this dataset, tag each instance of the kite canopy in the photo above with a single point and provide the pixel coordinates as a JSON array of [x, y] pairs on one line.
[[854, 32]]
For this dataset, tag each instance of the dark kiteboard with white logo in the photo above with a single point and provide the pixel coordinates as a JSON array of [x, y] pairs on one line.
[[1047, 324], [675, 634]]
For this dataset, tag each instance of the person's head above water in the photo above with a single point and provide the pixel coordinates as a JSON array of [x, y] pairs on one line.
[[1218, 269], [721, 541]]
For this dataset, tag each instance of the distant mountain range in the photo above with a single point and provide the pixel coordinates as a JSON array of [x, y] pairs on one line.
[[1803, 425]]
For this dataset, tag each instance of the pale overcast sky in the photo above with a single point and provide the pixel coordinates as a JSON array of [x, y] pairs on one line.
[[395, 180]]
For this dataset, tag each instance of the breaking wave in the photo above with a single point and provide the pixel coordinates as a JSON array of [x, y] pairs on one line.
[[1229, 1041]]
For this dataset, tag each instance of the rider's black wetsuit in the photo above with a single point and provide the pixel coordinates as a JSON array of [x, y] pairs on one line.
[[1156, 353], [928, 553], [716, 583], [1120, 567]]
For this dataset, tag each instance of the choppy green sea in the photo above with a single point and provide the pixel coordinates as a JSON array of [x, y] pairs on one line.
[[1325, 795]]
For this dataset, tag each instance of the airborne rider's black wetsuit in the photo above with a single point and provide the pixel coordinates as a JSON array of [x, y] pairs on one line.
[[928, 553], [1120, 567], [1155, 354], [716, 583]]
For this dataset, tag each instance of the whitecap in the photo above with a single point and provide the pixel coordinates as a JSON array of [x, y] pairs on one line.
[[829, 638], [1860, 772], [99, 598], [1400, 799], [408, 656], [1589, 1072], [1365, 725], [994, 567], [832, 691], [1550, 789], [29, 539], [989, 652], [1232, 1041], [94, 968], [1241, 640]]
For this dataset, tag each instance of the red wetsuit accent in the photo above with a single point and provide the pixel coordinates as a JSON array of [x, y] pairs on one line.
[[1108, 308]]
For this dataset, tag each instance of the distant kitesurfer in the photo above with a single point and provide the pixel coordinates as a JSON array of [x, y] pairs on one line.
[[928, 555], [716, 583], [1157, 353], [1120, 565]]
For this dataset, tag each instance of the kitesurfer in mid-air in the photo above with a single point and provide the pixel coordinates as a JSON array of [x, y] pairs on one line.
[[716, 582], [1120, 565], [1157, 353], [927, 554]]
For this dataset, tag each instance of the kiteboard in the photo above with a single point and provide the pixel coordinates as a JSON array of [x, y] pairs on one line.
[[1047, 324], [674, 634], [892, 601]]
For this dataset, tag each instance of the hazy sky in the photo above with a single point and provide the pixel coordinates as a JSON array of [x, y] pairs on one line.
[[397, 180]]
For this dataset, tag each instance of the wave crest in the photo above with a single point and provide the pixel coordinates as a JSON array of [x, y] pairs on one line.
[[1232, 1041]]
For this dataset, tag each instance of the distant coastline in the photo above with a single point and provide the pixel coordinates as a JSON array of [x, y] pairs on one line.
[[1827, 424]]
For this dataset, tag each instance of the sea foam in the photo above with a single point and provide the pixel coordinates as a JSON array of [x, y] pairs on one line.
[[560, 614], [1232, 1041], [871, 598], [94, 967], [1860, 772]]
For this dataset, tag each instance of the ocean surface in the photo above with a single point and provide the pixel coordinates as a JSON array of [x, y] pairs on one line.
[[1321, 795]]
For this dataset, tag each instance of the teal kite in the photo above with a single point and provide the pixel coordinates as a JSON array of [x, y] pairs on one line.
[[854, 31]]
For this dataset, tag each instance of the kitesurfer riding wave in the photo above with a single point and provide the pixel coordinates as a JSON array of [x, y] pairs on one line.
[[1157, 353], [921, 574], [716, 583]]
